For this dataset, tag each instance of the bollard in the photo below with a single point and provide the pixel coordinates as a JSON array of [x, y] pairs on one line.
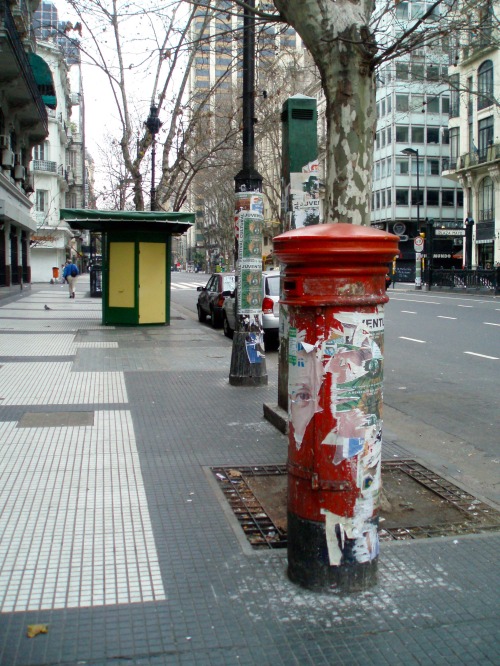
[[333, 284]]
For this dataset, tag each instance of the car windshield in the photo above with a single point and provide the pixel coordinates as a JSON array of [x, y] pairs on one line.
[[228, 283], [273, 285]]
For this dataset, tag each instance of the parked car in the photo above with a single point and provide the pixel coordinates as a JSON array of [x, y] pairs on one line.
[[270, 308], [212, 297]]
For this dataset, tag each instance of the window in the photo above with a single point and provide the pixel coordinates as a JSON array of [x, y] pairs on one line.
[[382, 202], [377, 200], [486, 206], [454, 146], [420, 163], [485, 137], [433, 167], [402, 167], [454, 95], [402, 71], [485, 85], [460, 198], [432, 197], [389, 136], [389, 104], [382, 138], [445, 135], [445, 162], [401, 197], [402, 103], [432, 72], [448, 197], [377, 171], [42, 201], [402, 11], [377, 143], [417, 134], [417, 197], [389, 197], [402, 134], [71, 201], [41, 152], [417, 72], [417, 103], [382, 107], [417, 10], [433, 104], [445, 104], [433, 135], [71, 158]]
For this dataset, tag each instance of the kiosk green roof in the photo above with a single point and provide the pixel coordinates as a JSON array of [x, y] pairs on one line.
[[122, 220]]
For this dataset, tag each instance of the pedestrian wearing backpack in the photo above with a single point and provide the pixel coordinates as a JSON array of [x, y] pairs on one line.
[[70, 274]]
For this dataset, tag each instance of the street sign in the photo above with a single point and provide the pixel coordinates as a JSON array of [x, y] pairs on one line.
[[449, 232], [418, 244]]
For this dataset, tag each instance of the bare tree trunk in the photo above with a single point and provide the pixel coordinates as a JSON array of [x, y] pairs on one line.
[[337, 35]]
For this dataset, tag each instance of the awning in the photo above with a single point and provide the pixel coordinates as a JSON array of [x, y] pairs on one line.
[[44, 80], [120, 220]]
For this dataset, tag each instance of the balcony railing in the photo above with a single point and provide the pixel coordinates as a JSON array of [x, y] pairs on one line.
[[44, 165], [475, 157]]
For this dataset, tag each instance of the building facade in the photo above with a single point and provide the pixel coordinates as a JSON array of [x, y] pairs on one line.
[[475, 134], [23, 125], [412, 151], [58, 165]]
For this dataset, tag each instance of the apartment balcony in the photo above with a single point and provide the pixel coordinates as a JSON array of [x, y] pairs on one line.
[[44, 165], [476, 158], [19, 85]]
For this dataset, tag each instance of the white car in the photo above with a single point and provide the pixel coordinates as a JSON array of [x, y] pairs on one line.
[[270, 308]]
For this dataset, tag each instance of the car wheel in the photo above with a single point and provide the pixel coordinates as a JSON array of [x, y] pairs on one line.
[[201, 315], [228, 331], [216, 322]]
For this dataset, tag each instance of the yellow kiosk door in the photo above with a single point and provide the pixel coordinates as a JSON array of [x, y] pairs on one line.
[[152, 283]]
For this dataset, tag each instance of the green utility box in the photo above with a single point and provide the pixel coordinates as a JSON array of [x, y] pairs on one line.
[[299, 118]]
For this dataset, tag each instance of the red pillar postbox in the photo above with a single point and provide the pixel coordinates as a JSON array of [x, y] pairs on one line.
[[333, 284]]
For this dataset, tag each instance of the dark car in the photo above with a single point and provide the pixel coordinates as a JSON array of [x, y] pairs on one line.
[[212, 296]]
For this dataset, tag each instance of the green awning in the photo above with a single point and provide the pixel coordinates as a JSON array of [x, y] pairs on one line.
[[121, 220], [44, 80]]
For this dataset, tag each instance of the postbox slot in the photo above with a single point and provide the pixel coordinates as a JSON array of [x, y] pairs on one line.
[[289, 285]]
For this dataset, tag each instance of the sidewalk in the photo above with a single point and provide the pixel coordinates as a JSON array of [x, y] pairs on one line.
[[111, 533]]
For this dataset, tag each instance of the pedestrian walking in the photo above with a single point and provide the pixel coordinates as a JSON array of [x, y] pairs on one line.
[[70, 274]]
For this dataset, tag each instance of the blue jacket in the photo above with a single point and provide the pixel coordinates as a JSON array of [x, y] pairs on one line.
[[68, 269]]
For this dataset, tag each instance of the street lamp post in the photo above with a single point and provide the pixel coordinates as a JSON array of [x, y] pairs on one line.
[[248, 363], [153, 124], [418, 255]]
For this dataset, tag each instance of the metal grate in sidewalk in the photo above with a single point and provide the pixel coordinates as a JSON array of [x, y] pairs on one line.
[[262, 532]]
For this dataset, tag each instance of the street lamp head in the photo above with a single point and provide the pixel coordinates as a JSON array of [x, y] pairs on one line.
[[410, 151], [153, 123]]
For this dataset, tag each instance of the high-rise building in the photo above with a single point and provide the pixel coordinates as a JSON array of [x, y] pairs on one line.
[[412, 149]]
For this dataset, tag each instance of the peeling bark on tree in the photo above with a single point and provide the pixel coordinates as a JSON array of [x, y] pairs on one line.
[[337, 35]]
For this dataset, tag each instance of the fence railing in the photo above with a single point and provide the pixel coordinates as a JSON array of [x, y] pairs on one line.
[[479, 279]]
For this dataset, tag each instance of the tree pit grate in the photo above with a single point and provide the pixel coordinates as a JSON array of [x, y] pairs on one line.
[[257, 497]]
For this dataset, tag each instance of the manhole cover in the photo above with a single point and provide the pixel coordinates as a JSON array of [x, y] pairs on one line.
[[418, 503]]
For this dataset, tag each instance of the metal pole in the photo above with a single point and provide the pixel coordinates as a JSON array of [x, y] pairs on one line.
[[153, 159], [248, 364], [418, 255]]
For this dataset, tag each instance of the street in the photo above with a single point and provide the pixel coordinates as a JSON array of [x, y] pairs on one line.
[[442, 364]]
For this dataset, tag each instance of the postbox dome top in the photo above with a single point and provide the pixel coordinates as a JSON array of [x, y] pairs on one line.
[[336, 242]]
